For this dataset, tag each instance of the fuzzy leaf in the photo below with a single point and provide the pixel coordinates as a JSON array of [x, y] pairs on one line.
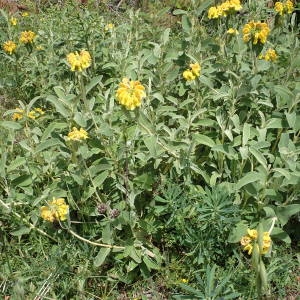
[[101, 256]]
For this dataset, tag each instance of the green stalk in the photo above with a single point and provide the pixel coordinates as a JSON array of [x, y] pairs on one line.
[[83, 92]]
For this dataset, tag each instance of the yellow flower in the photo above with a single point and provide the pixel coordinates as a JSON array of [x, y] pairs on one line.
[[13, 21], [39, 111], [18, 115], [188, 75], [248, 248], [252, 233], [46, 214], [109, 26], [232, 31], [77, 135], [256, 31], [235, 5], [192, 73], [25, 14], [266, 243], [184, 280], [39, 48], [245, 240], [282, 8], [57, 210], [9, 47], [213, 13], [279, 7], [224, 9], [270, 55], [33, 114], [79, 61], [249, 240], [195, 68], [27, 37], [289, 5], [130, 93]]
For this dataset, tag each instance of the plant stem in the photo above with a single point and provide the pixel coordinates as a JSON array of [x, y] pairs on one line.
[[94, 243]]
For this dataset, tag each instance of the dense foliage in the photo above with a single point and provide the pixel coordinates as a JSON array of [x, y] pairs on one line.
[[150, 154]]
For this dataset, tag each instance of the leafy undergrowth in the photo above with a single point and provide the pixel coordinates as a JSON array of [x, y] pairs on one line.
[[150, 153]]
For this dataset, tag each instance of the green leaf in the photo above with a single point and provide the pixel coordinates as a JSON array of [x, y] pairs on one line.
[[61, 106], [276, 123], [259, 157], [158, 96], [48, 144], [206, 81], [270, 213], [238, 232], [59, 91], [18, 161], [285, 212], [53, 126], [177, 12], [263, 275], [150, 263], [94, 81], [284, 93], [283, 172], [165, 36], [206, 122], [203, 140], [291, 118], [107, 234], [151, 144], [80, 119], [23, 180], [10, 125], [145, 124], [23, 230], [249, 178], [101, 256], [278, 233], [135, 254], [186, 24], [226, 149], [204, 5], [24, 145], [246, 133], [98, 180], [144, 181]]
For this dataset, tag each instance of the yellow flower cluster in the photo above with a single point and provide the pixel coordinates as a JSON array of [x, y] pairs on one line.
[[270, 55], [79, 61], [284, 7], [232, 31], [33, 114], [130, 93], [57, 210], [13, 21], [224, 9], [250, 239], [27, 37], [256, 31], [192, 73], [77, 135], [9, 47], [109, 26]]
